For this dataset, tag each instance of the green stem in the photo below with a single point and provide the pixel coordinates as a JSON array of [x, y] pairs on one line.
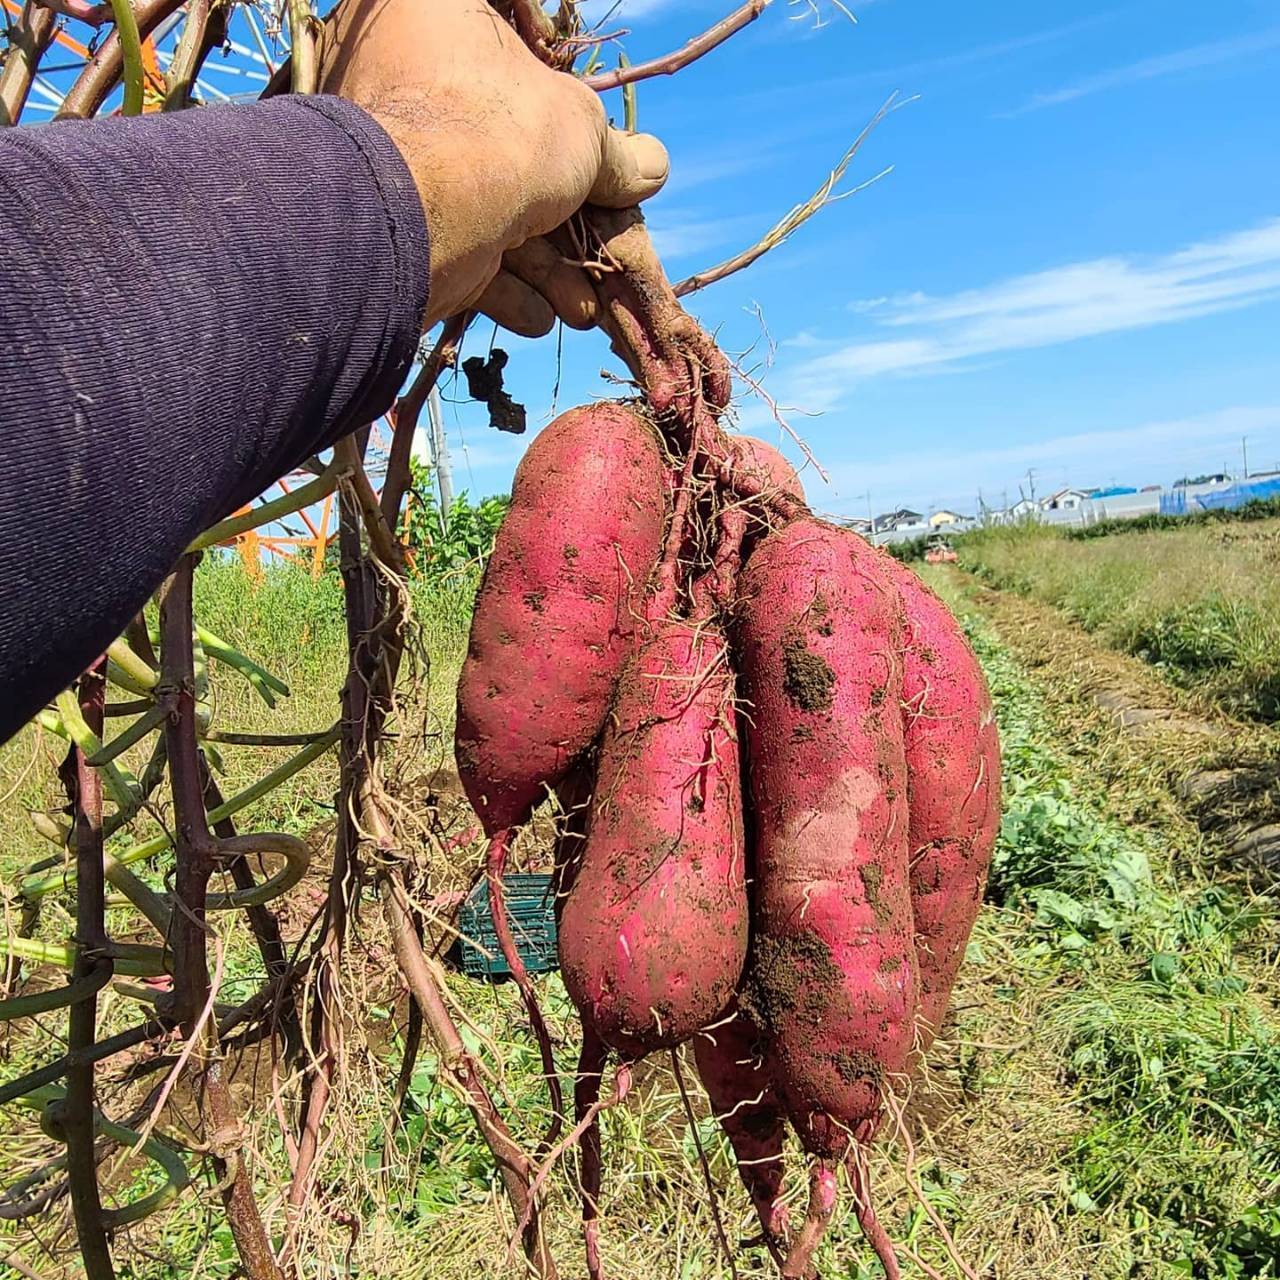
[[170, 1161], [131, 52], [133, 959], [629, 111], [323, 485], [134, 669], [121, 743], [56, 997], [258, 676], [33, 888], [303, 47], [122, 785]]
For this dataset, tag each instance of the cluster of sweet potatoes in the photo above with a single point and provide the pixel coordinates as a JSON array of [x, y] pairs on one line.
[[782, 775]]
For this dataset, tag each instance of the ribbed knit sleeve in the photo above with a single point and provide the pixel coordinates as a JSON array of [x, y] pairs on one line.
[[190, 305]]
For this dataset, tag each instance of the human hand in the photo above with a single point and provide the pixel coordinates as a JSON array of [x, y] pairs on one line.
[[503, 150]]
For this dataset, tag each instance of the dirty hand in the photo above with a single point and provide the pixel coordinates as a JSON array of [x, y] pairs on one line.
[[503, 150]]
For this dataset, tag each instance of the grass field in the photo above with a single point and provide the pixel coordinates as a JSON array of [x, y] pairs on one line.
[[1202, 602], [1105, 1102]]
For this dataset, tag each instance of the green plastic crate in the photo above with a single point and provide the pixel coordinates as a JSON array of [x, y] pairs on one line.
[[531, 910]]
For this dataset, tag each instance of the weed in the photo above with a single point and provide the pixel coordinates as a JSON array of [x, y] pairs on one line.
[[1200, 602]]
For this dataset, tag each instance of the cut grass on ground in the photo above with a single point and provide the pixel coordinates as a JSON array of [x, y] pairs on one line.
[[1103, 1103], [1203, 603]]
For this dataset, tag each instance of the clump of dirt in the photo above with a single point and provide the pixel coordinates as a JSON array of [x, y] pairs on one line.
[[854, 1066], [807, 677], [790, 974]]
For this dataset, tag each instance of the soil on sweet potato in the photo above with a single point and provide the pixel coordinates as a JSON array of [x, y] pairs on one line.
[[807, 677]]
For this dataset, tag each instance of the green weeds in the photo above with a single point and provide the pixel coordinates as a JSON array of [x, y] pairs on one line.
[[1162, 1032], [1200, 602]]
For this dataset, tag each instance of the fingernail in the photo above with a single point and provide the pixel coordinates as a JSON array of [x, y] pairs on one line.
[[650, 156]]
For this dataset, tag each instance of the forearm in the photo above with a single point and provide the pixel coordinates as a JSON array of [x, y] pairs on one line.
[[189, 306]]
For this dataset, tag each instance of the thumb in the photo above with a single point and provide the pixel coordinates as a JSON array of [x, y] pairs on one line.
[[634, 167]]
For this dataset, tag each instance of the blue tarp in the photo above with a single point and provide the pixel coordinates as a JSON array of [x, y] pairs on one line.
[[1178, 502]]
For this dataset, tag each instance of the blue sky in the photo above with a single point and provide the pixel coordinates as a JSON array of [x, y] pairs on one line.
[[1074, 265]]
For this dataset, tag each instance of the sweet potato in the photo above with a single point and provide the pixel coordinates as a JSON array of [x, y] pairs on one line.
[[766, 465], [953, 789], [557, 611], [738, 1080], [833, 968], [654, 931]]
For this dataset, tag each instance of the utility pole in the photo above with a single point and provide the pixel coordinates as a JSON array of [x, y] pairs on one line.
[[1244, 454], [871, 531], [1031, 482], [438, 447]]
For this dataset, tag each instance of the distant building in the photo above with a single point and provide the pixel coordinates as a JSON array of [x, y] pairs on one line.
[[857, 524], [896, 519], [1215, 477], [1114, 491], [1021, 509], [940, 518], [1153, 488], [1065, 500]]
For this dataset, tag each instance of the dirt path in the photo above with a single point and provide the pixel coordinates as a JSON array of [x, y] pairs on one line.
[[1224, 774]]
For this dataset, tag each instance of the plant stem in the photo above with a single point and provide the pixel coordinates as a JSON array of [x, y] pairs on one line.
[[196, 850], [680, 58], [323, 485], [408, 410], [303, 44], [131, 53], [101, 72], [186, 57], [425, 981], [28, 40], [75, 1112]]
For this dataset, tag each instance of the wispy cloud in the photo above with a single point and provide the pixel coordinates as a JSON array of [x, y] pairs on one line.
[[677, 236], [1168, 64], [1150, 452], [923, 333]]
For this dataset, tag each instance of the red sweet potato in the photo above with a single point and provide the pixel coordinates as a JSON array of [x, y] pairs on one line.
[[654, 931], [766, 465], [953, 772], [736, 1075], [833, 967], [558, 608]]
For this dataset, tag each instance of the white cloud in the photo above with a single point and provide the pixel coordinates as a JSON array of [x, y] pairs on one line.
[[1168, 64], [678, 237], [1152, 452], [1079, 300]]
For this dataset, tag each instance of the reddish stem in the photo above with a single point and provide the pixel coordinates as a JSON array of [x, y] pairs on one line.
[[877, 1236], [74, 1115], [195, 849], [497, 861], [586, 1094], [823, 1191], [459, 1068], [677, 59]]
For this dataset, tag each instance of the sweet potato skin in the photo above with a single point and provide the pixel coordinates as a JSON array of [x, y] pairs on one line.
[[762, 461], [736, 1074], [654, 931], [832, 975], [953, 790], [558, 608]]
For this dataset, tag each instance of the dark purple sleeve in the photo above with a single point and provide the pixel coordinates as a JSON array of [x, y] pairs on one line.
[[190, 305]]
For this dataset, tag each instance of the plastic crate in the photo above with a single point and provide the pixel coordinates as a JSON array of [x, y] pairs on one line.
[[531, 910]]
